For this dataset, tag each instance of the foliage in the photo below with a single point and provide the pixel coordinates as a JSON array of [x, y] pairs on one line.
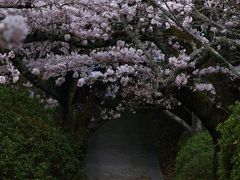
[[229, 155], [194, 159], [31, 145]]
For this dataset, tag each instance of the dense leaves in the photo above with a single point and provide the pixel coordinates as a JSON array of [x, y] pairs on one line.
[[229, 156], [31, 145], [194, 159]]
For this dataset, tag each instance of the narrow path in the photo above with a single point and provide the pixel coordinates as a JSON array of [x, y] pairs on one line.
[[123, 150]]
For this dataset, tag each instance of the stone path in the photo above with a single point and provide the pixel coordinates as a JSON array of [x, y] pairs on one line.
[[123, 150]]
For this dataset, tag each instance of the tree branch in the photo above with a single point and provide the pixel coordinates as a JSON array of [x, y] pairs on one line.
[[205, 19], [16, 6], [179, 120], [48, 88], [196, 39]]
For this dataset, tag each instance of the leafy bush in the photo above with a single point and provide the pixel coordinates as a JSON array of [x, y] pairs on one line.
[[31, 145], [194, 159], [229, 156]]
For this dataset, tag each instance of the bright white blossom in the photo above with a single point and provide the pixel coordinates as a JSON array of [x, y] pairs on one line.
[[81, 82], [2, 79], [67, 37], [181, 80], [36, 71], [60, 81]]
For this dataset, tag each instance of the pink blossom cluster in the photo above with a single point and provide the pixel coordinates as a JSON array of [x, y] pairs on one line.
[[181, 80], [205, 87], [8, 72]]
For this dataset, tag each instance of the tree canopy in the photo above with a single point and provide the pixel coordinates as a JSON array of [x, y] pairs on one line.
[[141, 51]]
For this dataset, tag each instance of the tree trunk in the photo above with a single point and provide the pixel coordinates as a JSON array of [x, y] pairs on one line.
[[67, 91], [215, 158], [66, 119], [209, 114]]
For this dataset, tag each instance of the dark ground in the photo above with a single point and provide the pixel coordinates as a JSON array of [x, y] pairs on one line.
[[123, 149]]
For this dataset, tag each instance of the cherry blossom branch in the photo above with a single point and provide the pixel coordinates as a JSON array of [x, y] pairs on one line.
[[41, 36], [15, 6], [141, 46], [196, 39], [30, 5], [205, 19], [235, 43], [222, 59], [43, 85]]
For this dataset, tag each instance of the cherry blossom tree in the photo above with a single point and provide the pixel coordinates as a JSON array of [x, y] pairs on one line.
[[143, 53]]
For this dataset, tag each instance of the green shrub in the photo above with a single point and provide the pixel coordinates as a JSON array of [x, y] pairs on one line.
[[31, 145], [229, 156], [194, 159]]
